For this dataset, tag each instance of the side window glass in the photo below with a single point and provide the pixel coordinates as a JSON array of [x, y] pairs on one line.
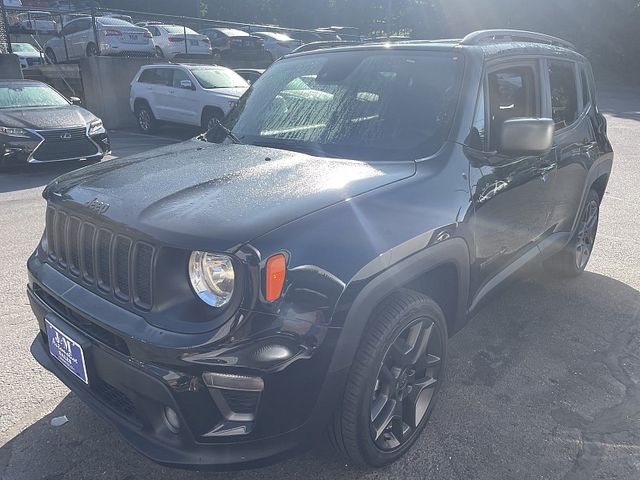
[[82, 25], [512, 94], [586, 89], [68, 28], [178, 76], [165, 76], [147, 76], [154, 31], [564, 93]]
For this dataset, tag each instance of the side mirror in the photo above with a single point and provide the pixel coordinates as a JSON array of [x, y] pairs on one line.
[[187, 85], [526, 136], [75, 101]]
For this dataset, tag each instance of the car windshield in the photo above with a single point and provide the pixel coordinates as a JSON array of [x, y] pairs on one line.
[[23, 47], [356, 104], [178, 29], [30, 96], [115, 22], [218, 78]]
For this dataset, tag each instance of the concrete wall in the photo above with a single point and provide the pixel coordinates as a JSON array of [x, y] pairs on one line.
[[107, 82], [10, 66]]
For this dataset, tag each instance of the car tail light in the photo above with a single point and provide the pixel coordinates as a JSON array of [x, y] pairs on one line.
[[176, 39], [112, 33], [275, 274], [147, 34]]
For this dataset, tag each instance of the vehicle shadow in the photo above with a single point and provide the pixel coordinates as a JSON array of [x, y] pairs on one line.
[[34, 175], [543, 383]]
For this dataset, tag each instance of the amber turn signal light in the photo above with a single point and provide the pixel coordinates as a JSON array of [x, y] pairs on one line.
[[276, 271]]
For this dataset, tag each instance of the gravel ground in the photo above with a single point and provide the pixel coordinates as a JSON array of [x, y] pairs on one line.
[[544, 383]]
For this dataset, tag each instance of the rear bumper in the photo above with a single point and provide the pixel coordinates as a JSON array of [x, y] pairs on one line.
[[131, 387]]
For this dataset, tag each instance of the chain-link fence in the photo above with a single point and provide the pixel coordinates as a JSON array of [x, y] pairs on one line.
[[5, 46], [66, 35]]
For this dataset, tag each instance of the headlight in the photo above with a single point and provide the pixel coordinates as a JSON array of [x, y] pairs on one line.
[[96, 127], [212, 277], [14, 132]]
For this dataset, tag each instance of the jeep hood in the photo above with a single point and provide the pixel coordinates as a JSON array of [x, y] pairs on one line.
[[207, 196]]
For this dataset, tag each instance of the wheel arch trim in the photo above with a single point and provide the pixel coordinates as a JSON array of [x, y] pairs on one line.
[[454, 251]]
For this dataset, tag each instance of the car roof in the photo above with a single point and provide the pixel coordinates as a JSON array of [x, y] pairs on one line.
[[486, 50], [232, 32]]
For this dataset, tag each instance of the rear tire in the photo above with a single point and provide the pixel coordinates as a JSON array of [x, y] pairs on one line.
[[367, 428], [573, 259], [50, 56], [92, 50], [147, 122]]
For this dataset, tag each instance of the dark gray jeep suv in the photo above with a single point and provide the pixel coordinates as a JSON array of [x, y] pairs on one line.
[[300, 267]]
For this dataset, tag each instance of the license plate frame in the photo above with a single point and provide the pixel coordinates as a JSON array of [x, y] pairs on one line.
[[67, 351]]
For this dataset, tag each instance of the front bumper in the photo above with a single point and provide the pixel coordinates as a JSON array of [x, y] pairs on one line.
[[131, 389], [16, 151]]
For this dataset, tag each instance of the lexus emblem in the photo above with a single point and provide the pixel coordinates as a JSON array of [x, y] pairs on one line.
[[66, 136], [97, 206]]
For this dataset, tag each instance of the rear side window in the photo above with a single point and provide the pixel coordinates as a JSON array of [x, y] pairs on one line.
[[157, 76], [564, 93]]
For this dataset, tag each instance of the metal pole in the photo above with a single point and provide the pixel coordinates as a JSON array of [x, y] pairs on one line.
[[6, 27], [64, 38], [95, 30], [184, 31]]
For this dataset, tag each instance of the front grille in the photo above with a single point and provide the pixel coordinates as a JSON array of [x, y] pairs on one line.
[[50, 151], [111, 262], [76, 133]]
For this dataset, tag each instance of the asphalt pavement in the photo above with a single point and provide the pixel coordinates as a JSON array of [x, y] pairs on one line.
[[544, 383]]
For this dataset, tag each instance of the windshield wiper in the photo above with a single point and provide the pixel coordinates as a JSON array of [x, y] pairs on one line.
[[227, 133]]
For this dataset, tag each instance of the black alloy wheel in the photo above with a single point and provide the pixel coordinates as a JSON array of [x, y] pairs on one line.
[[573, 259], [406, 384], [393, 382]]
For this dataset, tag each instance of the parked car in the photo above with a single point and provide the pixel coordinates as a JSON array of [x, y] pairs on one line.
[[345, 33], [306, 271], [28, 55], [36, 21], [235, 44], [116, 37], [305, 36], [39, 125], [277, 44], [250, 74], [176, 41], [188, 94]]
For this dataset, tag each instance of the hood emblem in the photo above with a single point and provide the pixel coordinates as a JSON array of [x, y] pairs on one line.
[[97, 206], [66, 136]]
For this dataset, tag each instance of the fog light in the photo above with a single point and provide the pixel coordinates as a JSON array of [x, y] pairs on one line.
[[272, 353], [171, 419], [233, 382]]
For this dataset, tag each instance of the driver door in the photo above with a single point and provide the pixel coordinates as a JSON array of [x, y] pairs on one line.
[[512, 195]]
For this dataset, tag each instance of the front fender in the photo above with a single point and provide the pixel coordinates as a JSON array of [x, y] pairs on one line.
[[358, 301]]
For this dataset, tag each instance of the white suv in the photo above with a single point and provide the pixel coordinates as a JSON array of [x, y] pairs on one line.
[[175, 41], [188, 94]]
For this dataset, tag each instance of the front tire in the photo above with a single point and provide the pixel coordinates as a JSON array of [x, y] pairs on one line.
[[209, 118], [393, 382], [573, 259]]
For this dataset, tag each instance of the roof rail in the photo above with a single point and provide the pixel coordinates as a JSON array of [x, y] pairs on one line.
[[496, 36]]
